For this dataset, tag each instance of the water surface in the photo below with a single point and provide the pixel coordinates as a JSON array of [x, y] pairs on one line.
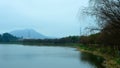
[[20, 56]]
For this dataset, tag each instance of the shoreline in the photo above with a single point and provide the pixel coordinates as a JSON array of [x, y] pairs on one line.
[[109, 61]]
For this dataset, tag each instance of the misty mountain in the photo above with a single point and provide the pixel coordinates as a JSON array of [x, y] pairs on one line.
[[28, 34]]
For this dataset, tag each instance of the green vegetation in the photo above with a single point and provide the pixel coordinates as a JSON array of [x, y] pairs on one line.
[[111, 61], [6, 37], [94, 42], [65, 40]]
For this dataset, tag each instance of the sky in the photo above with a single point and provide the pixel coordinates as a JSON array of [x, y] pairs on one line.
[[56, 18]]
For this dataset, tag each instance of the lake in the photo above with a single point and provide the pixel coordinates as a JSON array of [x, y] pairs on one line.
[[20, 56]]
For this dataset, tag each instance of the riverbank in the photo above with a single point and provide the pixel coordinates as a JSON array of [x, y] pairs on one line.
[[109, 62]]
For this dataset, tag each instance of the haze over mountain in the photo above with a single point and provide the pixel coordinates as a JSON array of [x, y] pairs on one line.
[[28, 34]]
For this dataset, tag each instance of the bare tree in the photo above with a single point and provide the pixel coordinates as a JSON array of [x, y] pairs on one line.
[[107, 13]]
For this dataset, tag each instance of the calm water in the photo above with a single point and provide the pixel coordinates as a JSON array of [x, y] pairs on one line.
[[19, 56]]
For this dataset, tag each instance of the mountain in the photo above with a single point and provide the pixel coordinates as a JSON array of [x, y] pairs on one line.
[[28, 34]]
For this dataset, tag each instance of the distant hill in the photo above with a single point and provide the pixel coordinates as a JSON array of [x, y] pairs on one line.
[[28, 34]]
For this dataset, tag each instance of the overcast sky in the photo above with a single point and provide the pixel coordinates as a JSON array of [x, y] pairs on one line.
[[57, 18]]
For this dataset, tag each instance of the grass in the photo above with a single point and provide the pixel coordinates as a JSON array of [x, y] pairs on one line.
[[111, 61]]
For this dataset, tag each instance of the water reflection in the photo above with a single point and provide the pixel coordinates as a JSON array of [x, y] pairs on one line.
[[92, 59]]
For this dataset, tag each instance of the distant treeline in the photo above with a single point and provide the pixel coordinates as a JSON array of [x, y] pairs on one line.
[[6, 37], [70, 39]]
